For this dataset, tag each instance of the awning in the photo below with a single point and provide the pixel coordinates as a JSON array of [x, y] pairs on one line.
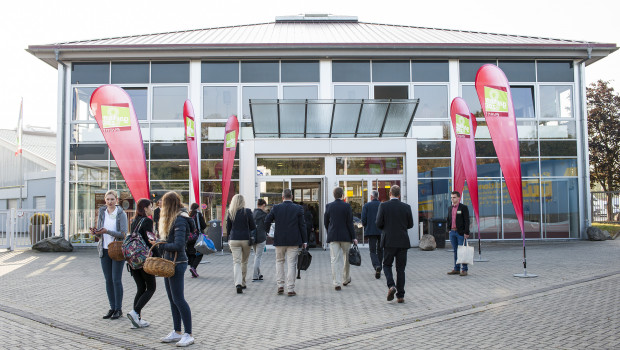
[[332, 118]]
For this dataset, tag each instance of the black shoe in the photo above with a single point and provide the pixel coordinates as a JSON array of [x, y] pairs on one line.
[[391, 293], [239, 289], [117, 314], [244, 287], [377, 272], [109, 314]]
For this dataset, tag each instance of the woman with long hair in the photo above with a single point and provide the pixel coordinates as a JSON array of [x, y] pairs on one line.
[[194, 257], [239, 224], [174, 228], [111, 226], [145, 283]]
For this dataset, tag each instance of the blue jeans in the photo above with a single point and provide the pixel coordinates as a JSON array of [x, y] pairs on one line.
[[376, 252], [113, 273], [457, 240], [175, 286]]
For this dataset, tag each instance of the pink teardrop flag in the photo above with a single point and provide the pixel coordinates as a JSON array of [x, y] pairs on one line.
[[118, 122]]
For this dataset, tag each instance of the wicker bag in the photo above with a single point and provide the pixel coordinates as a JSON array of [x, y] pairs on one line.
[[115, 252], [159, 266]]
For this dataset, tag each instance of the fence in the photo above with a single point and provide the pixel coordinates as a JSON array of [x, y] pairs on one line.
[[20, 228], [605, 207]]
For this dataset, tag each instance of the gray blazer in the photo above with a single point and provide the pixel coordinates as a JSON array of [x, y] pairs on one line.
[[121, 227]]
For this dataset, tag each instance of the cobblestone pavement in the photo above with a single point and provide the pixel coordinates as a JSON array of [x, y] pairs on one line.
[[56, 300]]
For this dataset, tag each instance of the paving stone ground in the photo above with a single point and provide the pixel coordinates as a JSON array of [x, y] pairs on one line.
[[56, 300]]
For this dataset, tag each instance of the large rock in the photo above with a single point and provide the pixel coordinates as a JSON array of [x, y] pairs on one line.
[[53, 244], [428, 242], [596, 234]]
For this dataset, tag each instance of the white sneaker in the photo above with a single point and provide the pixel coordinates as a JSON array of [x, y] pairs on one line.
[[171, 338], [134, 318], [143, 323], [186, 340]]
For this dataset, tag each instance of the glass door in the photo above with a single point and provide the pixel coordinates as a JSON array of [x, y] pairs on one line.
[[383, 187], [271, 191], [356, 194]]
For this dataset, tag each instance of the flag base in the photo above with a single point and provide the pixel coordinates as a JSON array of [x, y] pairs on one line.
[[525, 274], [480, 259]]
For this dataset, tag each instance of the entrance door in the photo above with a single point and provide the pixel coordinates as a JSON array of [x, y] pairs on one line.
[[271, 191], [356, 194]]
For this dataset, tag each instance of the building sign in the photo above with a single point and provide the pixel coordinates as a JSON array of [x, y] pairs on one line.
[[463, 128], [230, 139]]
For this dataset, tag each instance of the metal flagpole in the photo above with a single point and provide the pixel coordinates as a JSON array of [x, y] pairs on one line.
[[479, 258], [20, 127]]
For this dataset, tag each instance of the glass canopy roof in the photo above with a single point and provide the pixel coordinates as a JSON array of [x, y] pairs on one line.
[[331, 118]]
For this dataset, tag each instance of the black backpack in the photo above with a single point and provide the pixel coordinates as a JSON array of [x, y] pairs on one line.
[[304, 259]]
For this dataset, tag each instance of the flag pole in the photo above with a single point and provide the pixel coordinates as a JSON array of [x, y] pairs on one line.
[[20, 127]]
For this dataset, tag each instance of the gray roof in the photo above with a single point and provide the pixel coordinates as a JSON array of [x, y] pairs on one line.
[[37, 146], [320, 33]]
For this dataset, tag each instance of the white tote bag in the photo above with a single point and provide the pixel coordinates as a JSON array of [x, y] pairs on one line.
[[465, 254]]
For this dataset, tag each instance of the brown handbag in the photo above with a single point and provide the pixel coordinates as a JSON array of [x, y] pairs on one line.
[[115, 252], [159, 266]]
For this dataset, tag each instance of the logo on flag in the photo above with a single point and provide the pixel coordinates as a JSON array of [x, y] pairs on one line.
[[230, 139], [463, 128], [496, 101], [191, 133], [115, 118]]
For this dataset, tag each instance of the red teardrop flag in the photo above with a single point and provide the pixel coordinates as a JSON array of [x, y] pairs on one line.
[[192, 146], [118, 122]]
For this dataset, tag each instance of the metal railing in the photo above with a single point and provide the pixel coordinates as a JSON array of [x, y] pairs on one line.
[[20, 228], [605, 206]]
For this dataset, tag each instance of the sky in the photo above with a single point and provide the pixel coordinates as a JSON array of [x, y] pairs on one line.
[[35, 22]]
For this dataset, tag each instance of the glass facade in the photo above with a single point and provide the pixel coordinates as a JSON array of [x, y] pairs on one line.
[[543, 94]]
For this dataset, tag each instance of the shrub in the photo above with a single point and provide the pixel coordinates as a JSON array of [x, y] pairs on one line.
[[40, 219]]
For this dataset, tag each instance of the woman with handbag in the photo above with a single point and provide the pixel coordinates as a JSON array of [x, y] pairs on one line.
[[174, 229], [145, 283], [194, 257], [111, 227], [241, 230]]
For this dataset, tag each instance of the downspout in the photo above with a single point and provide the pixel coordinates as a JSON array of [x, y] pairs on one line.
[[585, 151], [62, 143]]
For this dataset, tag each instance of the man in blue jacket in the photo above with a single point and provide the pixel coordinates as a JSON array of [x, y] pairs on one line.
[[289, 235], [395, 218], [338, 221], [369, 216]]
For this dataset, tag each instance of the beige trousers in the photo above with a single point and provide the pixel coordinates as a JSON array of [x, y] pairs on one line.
[[240, 252], [288, 254], [339, 252]]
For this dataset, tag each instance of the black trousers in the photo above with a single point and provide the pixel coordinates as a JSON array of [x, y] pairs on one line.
[[376, 252], [400, 254], [145, 285], [194, 259]]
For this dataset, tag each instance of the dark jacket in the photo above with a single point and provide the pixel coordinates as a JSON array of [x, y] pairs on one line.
[[290, 227], [240, 228], [146, 226], [156, 213], [177, 238], [259, 219], [308, 219], [462, 219], [394, 218], [369, 216], [338, 220]]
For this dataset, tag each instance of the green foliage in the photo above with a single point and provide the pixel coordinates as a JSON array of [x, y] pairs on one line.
[[40, 219], [604, 135]]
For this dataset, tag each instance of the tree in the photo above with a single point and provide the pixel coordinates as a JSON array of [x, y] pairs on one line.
[[604, 138]]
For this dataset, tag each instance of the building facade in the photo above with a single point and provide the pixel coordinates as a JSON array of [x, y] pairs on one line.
[[325, 102]]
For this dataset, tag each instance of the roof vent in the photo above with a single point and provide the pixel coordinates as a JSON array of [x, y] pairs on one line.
[[316, 17]]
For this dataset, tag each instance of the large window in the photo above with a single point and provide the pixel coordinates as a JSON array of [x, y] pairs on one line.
[[351, 71], [290, 166], [433, 101], [369, 165], [219, 102]]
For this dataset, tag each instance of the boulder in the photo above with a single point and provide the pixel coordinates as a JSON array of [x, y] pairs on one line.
[[596, 234], [428, 242], [53, 244]]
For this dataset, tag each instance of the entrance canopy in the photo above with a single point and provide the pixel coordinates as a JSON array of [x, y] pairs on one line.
[[332, 118]]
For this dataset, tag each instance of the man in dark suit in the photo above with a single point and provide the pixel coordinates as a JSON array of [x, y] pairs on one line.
[[395, 218], [289, 235], [156, 214], [338, 220], [369, 216], [458, 224]]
